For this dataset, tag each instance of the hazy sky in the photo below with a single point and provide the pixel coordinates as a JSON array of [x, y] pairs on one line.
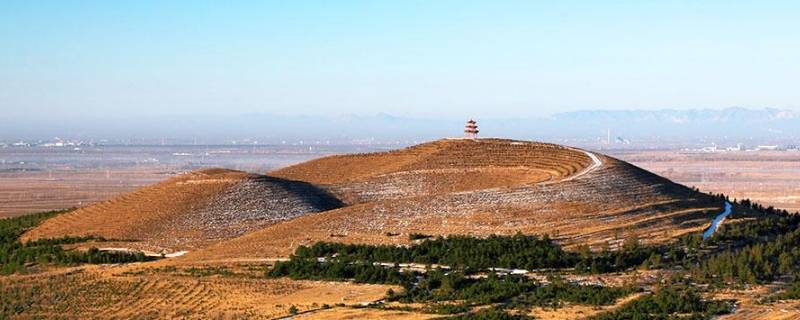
[[409, 58]]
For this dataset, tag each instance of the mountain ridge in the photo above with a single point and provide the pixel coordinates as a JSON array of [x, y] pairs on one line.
[[686, 125]]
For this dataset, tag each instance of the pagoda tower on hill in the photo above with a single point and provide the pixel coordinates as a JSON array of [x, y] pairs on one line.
[[471, 129]]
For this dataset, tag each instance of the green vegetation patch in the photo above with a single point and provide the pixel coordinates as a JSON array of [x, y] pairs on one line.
[[752, 252], [517, 292], [511, 252], [311, 269], [467, 279], [449, 291], [15, 256]]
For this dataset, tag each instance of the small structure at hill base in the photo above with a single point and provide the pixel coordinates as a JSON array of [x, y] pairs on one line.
[[471, 129]]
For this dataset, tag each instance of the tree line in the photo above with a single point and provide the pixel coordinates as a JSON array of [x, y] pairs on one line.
[[437, 285], [754, 263], [15, 255], [751, 252], [519, 251], [511, 296]]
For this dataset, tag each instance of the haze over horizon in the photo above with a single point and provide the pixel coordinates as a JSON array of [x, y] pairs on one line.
[[653, 127], [79, 60]]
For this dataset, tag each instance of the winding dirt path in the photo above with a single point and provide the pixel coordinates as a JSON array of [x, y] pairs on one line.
[[596, 164]]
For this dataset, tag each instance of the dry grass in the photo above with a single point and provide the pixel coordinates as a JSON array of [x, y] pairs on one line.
[[190, 210], [574, 312], [750, 307], [787, 310], [449, 157], [106, 293]]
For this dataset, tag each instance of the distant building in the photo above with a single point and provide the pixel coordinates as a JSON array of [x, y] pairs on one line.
[[712, 148], [767, 148], [738, 147], [471, 129]]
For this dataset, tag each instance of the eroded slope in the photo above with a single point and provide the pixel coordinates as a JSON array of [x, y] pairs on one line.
[[191, 210]]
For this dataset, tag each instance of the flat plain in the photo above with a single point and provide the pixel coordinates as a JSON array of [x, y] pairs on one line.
[[768, 177], [36, 179]]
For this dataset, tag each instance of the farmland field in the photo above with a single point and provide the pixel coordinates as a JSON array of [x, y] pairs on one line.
[[769, 177]]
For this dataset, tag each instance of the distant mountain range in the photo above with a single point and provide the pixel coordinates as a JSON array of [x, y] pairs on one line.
[[699, 125], [671, 116], [734, 123]]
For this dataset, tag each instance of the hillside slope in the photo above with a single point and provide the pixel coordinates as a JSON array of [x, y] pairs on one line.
[[479, 187], [191, 210]]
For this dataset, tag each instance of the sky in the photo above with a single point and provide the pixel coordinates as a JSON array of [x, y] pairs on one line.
[[117, 59]]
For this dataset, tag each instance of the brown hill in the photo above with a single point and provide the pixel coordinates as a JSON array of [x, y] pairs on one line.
[[479, 187], [191, 210]]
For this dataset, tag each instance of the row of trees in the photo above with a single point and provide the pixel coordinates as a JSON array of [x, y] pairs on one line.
[[12, 228], [310, 269], [15, 255], [769, 210], [439, 286], [520, 251], [760, 230]]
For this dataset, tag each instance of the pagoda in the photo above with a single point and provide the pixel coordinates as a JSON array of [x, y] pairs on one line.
[[471, 129]]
